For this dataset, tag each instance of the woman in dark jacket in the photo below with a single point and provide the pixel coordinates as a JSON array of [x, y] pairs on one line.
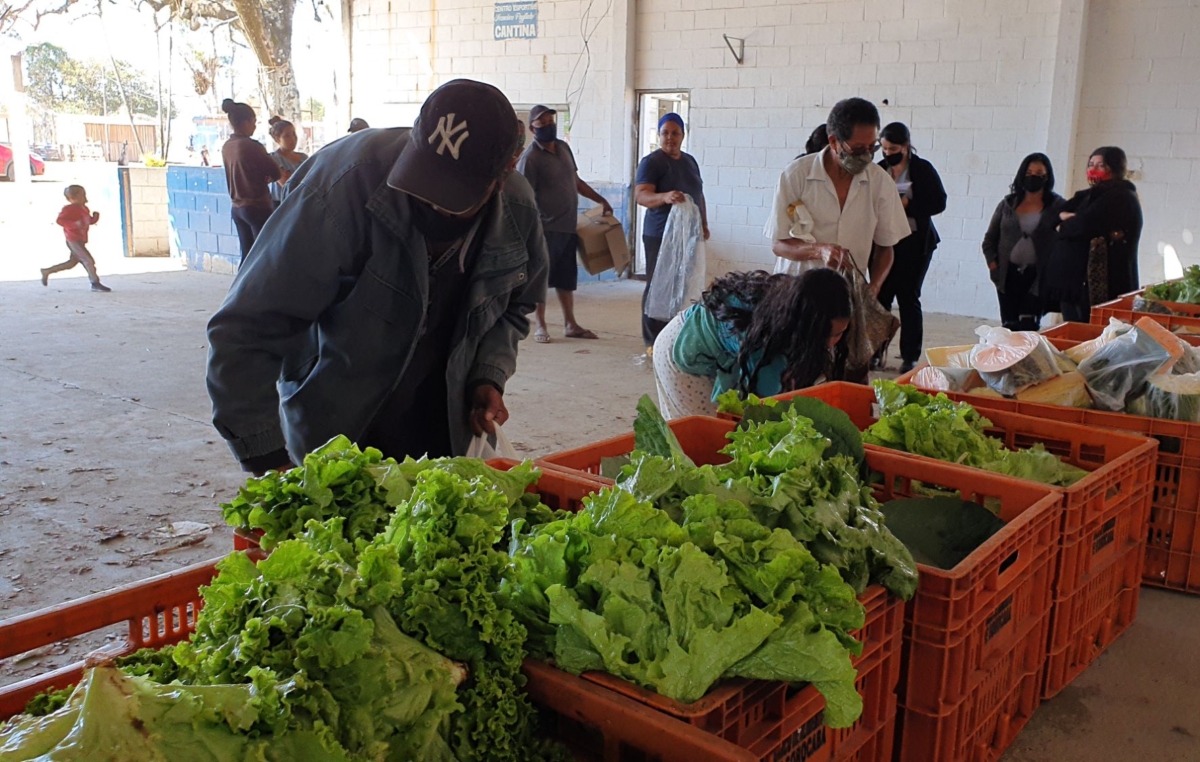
[[923, 197], [1020, 236], [1096, 255], [249, 172]]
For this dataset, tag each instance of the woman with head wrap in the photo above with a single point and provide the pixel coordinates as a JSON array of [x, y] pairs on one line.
[[665, 177], [1096, 256]]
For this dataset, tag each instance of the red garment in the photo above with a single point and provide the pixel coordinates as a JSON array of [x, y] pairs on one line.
[[75, 220]]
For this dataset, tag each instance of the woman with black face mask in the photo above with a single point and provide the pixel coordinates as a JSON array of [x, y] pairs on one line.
[[923, 197], [1018, 243]]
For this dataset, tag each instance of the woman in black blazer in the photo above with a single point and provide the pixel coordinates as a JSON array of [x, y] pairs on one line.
[[1096, 256], [923, 197]]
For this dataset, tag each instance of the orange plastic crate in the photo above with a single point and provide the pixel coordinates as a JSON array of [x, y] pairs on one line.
[[1066, 335], [159, 611], [986, 721], [766, 720], [1121, 308], [961, 620], [1173, 536], [1090, 619]]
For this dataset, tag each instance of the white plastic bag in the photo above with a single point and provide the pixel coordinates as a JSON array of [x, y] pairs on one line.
[[491, 446], [1010, 361], [679, 275]]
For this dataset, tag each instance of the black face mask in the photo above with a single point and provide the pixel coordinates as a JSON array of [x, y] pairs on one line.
[[1034, 183], [894, 159], [438, 227]]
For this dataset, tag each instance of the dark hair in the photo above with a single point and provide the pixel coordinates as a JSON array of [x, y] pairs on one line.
[[72, 190], [1115, 159], [850, 113], [897, 133], [783, 315], [239, 113], [278, 125], [817, 140], [1018, 184]]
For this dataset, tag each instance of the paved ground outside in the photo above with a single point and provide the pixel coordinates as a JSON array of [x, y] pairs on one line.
[[105, 438]]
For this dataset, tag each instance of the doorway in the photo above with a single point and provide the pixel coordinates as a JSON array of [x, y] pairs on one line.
[[652, 106]]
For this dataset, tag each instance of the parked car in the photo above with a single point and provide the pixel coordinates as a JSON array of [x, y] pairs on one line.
[[47, 151], [36, 165]]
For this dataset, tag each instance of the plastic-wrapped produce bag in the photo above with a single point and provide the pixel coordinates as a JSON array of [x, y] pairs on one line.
[[679, 275], [1119, 371], [1011, 361]]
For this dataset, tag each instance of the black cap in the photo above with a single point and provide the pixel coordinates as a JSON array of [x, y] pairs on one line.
[[357, 124], [464, 139], [537, 112]]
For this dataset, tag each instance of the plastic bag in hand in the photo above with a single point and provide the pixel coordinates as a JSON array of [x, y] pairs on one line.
[[679, 275], [491, 446]]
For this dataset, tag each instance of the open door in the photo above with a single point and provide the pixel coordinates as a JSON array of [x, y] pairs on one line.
[[651, 107]]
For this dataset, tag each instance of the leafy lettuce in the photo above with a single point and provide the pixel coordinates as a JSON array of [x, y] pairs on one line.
[[937, 427], [675, 605]]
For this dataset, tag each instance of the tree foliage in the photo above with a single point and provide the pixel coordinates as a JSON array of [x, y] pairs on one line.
[[59, 82]]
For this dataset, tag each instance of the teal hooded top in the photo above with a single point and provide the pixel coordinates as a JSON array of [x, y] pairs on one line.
[[709, 347]]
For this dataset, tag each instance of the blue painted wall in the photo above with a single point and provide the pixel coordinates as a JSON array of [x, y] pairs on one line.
[[203, 229], [200, 219]]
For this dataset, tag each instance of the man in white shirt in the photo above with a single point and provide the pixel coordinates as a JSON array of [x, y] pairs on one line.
[[837, 208]]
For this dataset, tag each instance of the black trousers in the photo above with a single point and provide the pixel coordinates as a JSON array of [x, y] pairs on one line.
[[903, 285], [249, 221], [650, 327], [1076, 313], [1020, 310]]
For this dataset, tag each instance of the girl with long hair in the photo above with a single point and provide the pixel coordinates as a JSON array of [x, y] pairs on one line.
[[286, 156], [754, 332], [249, 171]]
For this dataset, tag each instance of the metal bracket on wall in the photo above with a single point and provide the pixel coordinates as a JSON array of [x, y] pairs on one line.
[[739, 55]]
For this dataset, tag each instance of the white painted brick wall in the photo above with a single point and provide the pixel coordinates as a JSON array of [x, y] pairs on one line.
[[972, 78], [1141, 85]]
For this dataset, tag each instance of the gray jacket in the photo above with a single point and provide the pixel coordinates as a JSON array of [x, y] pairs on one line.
[[1005, 231], [323, 317]]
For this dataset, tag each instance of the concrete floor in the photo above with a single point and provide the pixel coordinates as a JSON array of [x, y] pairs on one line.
[[104, 437]]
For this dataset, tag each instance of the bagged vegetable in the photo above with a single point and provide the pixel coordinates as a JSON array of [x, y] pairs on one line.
[[1009, 361], [1083, 351], [680, 271], [947, 379], [1119, 371], [1174, 397]]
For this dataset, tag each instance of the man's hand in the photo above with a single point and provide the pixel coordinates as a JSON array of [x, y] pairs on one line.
[[487, 410], [607, 207], [673, 197], [834, 256]]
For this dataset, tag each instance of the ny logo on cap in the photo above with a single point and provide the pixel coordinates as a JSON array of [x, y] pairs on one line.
[[447, 130]]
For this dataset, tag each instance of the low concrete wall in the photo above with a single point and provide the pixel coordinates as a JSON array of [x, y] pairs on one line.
[[202, 231], [144, 216], [199, 209]]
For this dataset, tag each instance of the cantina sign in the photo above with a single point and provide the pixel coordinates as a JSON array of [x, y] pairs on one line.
[[516, 21]]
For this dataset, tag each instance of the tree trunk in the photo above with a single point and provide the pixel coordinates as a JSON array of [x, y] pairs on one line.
[[267, 25]]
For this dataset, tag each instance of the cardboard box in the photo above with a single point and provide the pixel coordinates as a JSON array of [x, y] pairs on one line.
[[602, 244]]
